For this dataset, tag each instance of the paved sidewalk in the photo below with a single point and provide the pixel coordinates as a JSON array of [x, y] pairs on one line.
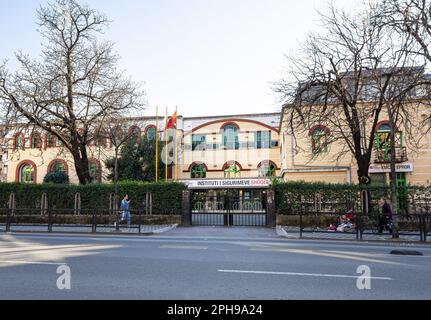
[[87, 228], [293, 233]]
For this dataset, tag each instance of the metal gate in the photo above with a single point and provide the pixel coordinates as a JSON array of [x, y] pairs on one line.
[[230, 209]]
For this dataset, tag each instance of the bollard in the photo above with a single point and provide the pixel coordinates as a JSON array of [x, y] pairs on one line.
[[49, 219]]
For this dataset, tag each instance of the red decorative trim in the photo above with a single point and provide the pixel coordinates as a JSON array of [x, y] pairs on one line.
[[46, 141], [148, 128], [229, 163], [32, 136], [321, 127], [15, 140], [233, 121], [269, 161], [230, 123], [53, 162], [99, 168], [383, 122], [133, 128], [196, 163], [18, 167]]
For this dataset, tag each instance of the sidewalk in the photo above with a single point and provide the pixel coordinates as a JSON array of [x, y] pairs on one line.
[[108, 229], [293, 233]]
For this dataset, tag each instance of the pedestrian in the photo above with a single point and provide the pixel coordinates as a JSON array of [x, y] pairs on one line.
[[125, 209], [385, 215]]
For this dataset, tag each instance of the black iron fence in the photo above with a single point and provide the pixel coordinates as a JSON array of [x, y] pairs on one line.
[[67, 220], [360, 226], [228, 211]]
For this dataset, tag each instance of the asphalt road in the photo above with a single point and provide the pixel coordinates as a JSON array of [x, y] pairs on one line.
[[207, 263]]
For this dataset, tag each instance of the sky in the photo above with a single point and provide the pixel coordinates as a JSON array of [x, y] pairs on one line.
[[205, 57]]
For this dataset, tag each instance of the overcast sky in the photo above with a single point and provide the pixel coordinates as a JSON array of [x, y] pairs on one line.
[[208, 57]]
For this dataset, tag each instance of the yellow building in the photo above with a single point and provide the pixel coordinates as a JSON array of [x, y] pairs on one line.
[[240, 146], [311, 159]]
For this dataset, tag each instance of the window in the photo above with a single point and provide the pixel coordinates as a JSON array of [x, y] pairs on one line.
[[267, 169], [382, 144], [36, 141], [135, 131], [19, 142], [100, 139], [151, 133], [57, 166], [95, 170], [262, 139], [232, 170], [26, 173], [319, 139], [51, 140], [198, 142], [230, 137], [198, 171]]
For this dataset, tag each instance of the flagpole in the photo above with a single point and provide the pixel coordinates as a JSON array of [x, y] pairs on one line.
[[157, 143], [166, 147], [175, 145]]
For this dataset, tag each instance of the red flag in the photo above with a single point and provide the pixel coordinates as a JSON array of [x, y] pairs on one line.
[[172, 121]]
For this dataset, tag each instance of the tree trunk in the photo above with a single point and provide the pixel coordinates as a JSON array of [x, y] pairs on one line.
[[363, 176], [80, 160]]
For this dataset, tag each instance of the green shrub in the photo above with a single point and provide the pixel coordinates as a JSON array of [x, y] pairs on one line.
[[167, 197], [58, 177], [293, 197]]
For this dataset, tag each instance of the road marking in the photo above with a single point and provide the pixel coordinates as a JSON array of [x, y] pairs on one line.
[[32, 262], [304, 274], [326, 254], [166, 246]]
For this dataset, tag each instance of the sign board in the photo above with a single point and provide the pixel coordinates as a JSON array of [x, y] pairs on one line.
[[227, 183], [386, 167]]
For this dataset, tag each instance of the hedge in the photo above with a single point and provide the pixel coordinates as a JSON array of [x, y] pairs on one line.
[[166, 196], [292, 197]]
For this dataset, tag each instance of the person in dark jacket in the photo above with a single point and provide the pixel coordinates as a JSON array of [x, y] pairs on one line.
[[385, 215]]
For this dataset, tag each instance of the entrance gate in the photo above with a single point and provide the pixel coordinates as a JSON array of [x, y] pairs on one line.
[[229, 208]]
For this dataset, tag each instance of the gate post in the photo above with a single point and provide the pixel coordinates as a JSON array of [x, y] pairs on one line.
[[271, 216], [186, 210]]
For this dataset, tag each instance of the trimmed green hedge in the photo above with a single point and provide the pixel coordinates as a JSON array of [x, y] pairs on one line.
[[166, 196], [292, 197]]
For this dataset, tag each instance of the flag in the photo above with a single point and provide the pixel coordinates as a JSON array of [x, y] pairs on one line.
[[172, 121]]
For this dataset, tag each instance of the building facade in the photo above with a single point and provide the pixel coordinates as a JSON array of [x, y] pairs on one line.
[[240, 146], [247, 146]]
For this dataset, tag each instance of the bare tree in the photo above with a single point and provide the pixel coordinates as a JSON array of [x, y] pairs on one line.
[[343, 79], [75, 86]]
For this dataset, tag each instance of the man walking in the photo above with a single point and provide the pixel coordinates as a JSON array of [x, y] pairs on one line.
[[125, 210]]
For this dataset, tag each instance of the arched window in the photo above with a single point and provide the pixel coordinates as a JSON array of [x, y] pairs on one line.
[[135, 131], [19, 142], [51, 140], [26, 172], [151, 133], [230, 137], [267, 169], [95, 170], [319, 139], [232, 169], [36, 141], [100, 139], [58, 165], [198, 171]]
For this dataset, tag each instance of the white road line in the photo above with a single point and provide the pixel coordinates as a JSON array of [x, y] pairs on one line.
[[183, 247], [32, 262], [303, 274]]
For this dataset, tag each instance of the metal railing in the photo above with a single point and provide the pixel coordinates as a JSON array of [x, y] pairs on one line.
[[412, 227], [64, 220]]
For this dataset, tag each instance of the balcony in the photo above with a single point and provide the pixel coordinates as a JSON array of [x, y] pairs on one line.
[[383, 155]]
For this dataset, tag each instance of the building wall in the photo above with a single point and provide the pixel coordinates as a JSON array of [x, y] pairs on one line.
[[247, 158], [298, 163]]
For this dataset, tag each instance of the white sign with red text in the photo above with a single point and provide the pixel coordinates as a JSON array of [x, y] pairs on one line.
[[227, 183]]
